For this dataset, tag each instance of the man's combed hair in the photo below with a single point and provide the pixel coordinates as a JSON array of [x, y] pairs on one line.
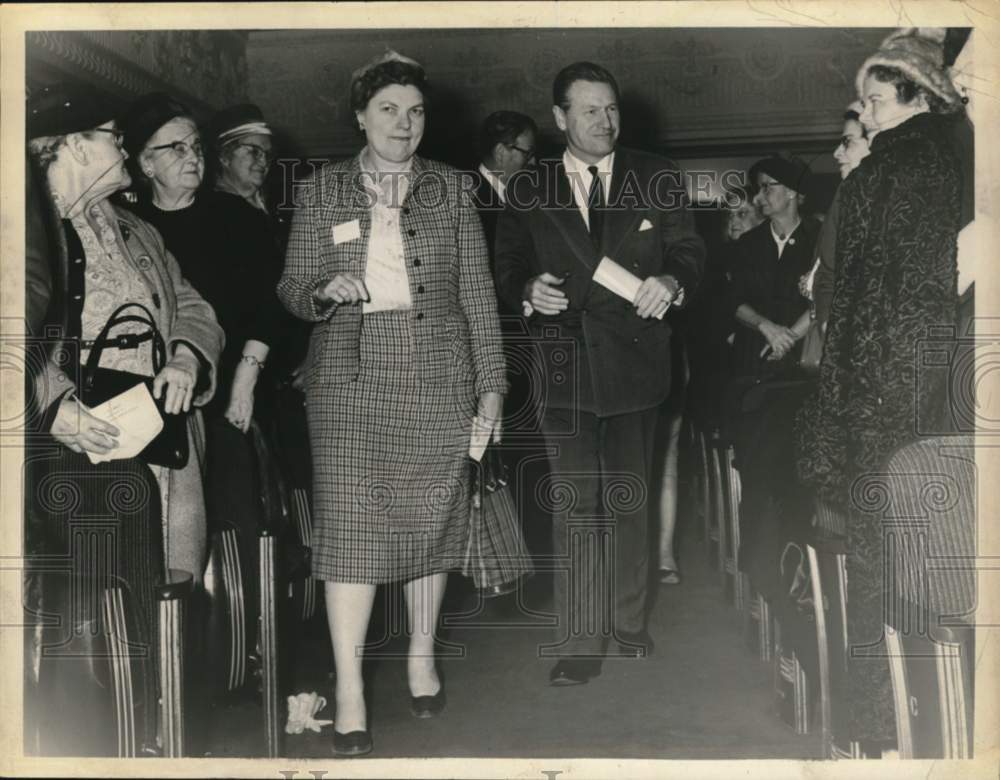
[[580, 71], [503, 127]]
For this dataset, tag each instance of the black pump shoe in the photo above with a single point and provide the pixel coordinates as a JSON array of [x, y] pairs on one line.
[[637, 645], [574, 671], [428, 706], [353, 743]]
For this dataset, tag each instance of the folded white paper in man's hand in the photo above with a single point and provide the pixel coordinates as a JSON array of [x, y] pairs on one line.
[[620, 281], [137, 419]]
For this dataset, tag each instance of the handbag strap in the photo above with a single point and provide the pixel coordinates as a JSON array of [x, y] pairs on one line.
[[117, 318]]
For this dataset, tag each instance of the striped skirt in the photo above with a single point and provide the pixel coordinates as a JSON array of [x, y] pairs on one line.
[[390, 465]]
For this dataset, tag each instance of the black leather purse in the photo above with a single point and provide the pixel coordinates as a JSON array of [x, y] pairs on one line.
[[170, 447]]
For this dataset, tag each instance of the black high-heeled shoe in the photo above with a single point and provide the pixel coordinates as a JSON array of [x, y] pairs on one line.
[[428, 706], [353, 743]]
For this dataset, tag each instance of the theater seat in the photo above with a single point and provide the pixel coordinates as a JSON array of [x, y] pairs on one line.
[[929, 516], [828, 573], [92, 577]]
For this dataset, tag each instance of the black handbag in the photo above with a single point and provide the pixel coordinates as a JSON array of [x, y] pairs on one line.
[[170, 447], [812, 348]]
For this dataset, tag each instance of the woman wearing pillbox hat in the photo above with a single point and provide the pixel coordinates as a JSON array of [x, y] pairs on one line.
[[895, 278], [242, 142]]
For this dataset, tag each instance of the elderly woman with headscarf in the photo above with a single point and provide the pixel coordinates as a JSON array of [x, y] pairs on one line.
[[115, 258], [895, 278], [387, 257]]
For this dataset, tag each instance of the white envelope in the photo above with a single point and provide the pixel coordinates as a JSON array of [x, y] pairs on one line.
[[620, 281], [137, 419], [480, 438], [346, 231], [646, 225]]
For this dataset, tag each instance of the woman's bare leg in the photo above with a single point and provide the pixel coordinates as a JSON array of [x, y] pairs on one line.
[[423, 605], [348, 610]]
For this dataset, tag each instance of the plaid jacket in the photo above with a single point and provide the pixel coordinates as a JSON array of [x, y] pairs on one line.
[[454, 312]]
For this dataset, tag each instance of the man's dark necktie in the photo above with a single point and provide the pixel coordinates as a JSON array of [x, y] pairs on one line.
[[595, 205]]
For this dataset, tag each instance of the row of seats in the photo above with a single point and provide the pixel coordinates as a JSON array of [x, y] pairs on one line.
[[123, 662], [925, 499]]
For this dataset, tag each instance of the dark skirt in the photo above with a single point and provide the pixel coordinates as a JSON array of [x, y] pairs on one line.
[[390, 464]]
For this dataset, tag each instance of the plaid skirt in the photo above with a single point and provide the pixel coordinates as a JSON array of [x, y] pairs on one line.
[[390, 464]]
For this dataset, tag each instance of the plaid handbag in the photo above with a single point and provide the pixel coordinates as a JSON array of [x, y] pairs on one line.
[[496, 556]]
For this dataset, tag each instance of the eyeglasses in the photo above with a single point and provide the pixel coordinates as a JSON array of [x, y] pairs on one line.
[[180, 148], [259, 153], [847, 140], [119, 136], [528, 153]]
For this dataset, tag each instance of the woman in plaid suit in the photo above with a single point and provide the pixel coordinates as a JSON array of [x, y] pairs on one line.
[[387, 257]]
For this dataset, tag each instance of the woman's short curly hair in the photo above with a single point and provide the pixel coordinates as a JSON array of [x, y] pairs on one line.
[[907, 90], [368, 83], [45, 150]]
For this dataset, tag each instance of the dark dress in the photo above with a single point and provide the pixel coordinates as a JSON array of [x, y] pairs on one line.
[[227, 250], [763, 399], [896, 277]]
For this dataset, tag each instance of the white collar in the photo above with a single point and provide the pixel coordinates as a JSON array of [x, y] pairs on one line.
[[788, 236], [495, 182], [576, 165]]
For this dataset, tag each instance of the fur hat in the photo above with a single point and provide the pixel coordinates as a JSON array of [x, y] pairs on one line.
[[917, 52]]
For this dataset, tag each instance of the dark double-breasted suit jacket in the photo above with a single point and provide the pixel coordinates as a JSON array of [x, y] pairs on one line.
[[488, 204], [599, 356]]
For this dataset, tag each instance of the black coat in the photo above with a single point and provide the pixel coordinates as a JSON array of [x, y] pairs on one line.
[[896, 276], [598, 355]]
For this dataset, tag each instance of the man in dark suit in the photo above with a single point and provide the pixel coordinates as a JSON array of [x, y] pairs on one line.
[[506, 146], [605, 360]]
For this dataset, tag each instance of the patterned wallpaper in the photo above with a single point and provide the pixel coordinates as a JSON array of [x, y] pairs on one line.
[[205, 68], [683, 88], [693, 92]]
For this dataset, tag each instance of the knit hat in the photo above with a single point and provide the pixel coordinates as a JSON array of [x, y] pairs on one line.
[[61, 109], [237, 122], [145, 116], [788, 171], [918, 52]]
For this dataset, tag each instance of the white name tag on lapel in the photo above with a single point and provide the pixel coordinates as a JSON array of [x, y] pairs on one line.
[[346, 231], [646, 225]]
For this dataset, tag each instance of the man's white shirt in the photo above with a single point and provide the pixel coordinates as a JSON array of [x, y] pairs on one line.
[[580, 178], [495, 182]]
